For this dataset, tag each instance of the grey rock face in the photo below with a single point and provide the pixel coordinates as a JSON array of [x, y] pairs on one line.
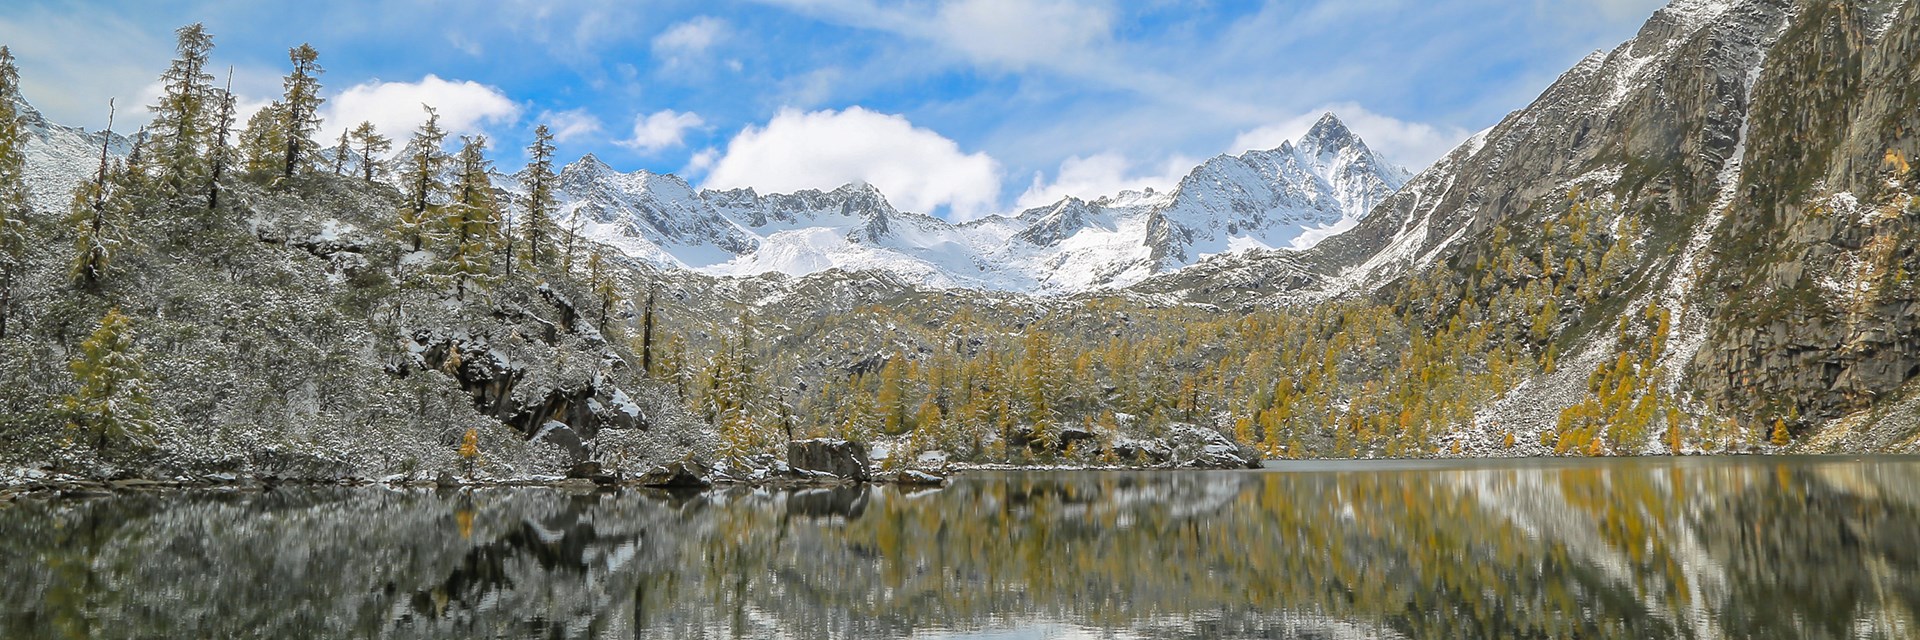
[[843, 458]]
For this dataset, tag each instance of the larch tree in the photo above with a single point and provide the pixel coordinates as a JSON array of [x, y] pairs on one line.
[[264, 141], [606, 289], [111, 405], [425, 159], [538, 181], [13, 188], [303, 104], [183, 119], [473, 221], [371, 145]]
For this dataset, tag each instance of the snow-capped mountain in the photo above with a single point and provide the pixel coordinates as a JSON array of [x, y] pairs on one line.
[[59, 157], [1286, 197]]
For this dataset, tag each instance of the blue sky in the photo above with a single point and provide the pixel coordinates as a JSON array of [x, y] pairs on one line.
[[955, 107]]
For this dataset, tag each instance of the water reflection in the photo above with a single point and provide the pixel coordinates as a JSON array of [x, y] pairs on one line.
[[1631, 549]]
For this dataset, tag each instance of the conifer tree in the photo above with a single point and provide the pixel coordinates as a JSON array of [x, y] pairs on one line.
[[473, 220], [184, 117], [340, 155], [424, 161], [371, 145], [221, 155], [93, 240], [646, 336], [111, 404], [605, 288], [1781, 437], [538, 181], [264, 141], [14, 205], [303, 104]]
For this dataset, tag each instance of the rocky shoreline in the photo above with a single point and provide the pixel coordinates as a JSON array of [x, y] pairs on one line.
[[809, 464]]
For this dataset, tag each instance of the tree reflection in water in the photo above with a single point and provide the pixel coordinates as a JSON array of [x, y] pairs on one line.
[[1632, 549]]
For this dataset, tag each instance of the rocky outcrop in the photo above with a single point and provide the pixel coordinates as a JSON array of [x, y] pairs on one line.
[[567, 417], [841, 458], [676, 475], [1811, 290]]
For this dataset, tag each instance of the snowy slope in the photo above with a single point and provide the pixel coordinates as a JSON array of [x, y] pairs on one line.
[[59, 158], [1287, 197]]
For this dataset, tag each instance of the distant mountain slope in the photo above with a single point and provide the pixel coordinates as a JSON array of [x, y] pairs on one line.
[[60, 157], [1258, 200]]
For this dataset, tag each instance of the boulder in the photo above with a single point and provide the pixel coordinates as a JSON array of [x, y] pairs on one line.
[[676, 475], [1150, 452], [842, 458], [591, 470], [1202, 448]]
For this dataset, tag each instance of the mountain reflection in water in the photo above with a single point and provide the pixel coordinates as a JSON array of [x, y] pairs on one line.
[[1741, 548]]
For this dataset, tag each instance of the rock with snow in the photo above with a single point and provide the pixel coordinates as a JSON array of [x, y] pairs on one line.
[[842, 458]]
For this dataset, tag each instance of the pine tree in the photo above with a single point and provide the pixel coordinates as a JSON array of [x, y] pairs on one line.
[[538, 180], [184, 117], [111, 405], [303, 104], [371, 145], [14, 206], [1780, 437], [424, 161]]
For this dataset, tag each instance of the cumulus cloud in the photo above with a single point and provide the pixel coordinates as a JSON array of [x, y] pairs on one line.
[[918, 169], [660, 130], [465, 107], [1413, 145], [570, 124], [1105, 174]]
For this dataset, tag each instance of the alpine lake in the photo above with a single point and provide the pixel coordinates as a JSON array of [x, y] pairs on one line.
[[1733, 547]]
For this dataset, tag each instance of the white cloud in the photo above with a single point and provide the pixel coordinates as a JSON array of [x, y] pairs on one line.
[[1413, 145], [1105, 174], [917, 169], [1013, 33], [570, 124], [664, 129], [1021, 32], [688, 39], [701, 162], [466, 107]]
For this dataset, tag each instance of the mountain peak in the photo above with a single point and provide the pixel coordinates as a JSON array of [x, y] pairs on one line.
[[1330, 134]]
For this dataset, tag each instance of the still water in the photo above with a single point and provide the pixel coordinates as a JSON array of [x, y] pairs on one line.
[[1654, 548]]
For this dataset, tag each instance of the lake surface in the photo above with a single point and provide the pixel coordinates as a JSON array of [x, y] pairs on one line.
[[1652, 548]]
